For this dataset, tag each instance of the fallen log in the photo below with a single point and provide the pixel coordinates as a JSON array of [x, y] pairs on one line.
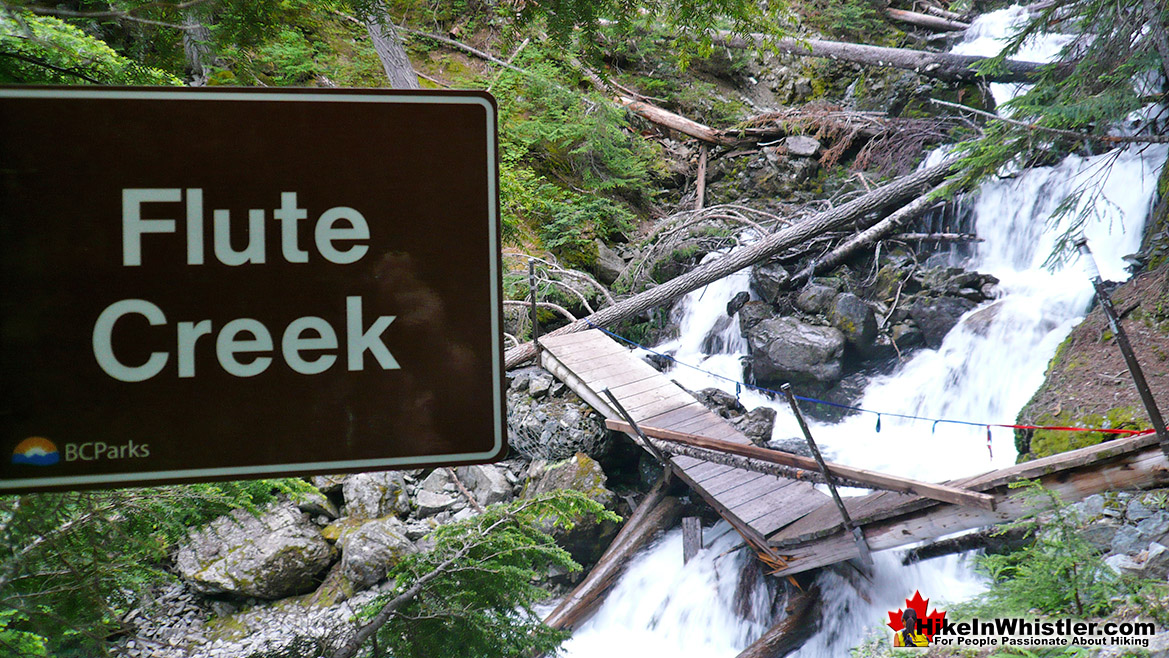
[[942, 66], [994, 540], [790, 633], [913, 210], [656, 513], [936, 23], [895, 192], [662, 117], [937, 237], [938, 492]]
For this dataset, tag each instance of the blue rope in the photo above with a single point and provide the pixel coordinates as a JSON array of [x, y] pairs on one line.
[[801, 398]]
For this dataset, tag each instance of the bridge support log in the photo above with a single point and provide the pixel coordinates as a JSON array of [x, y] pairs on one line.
[[791, 631]]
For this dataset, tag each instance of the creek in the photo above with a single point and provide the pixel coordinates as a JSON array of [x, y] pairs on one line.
[[986, 369]]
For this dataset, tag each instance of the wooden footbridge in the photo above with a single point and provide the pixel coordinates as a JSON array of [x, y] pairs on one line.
[[769, 497]]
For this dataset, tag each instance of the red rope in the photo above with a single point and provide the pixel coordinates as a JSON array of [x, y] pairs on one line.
[[1071, 429]]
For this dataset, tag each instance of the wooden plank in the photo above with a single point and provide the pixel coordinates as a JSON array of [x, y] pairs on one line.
[[588, 367], [728, 484], [589, 343], [659, 407], [570, 338], [601, 381], [668, 418], [783, 516], [636, 387], [938, 492], [1147, 468], [757, 541], [634, 404]]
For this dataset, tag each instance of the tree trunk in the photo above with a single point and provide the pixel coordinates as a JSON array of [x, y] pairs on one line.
[[943, 66], [657, 512], [197, 48], [790, 633], [677, 122], [925, 20], [866, 238], [894, 192], [391, 52]]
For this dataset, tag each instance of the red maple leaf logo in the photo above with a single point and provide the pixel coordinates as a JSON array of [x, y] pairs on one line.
[[930, 624]]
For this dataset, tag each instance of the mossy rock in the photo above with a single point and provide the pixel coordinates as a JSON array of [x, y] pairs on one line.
[[1044, 443]]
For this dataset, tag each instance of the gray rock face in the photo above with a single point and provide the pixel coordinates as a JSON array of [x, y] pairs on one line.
[[431, 503], [720, 402], [609, 263], [374, 495], [439, 481], [785, 349], [854, 319], [586, 540], [815, 298], [276, 555], [768, 279], [554, 428], [801, 145], [752, 314], [756, 424], [1137, 510], [314, 504], [936, 317], [369, 551], [487, 483]]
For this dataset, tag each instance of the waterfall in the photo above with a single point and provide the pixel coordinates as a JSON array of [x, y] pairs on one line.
[[986, 369]]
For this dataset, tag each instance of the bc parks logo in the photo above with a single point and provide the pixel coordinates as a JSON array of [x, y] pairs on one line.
[[36, 451], [39, 451]]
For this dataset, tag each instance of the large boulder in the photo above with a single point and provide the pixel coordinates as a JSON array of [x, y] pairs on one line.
[[369, 550], [937, 316], [787, 350], [768, 280], [374, 495], [278, 554], [487, 483], [756, 424], [855, 319], [553, 428], [609, 263], [815, 298], [587, 540]]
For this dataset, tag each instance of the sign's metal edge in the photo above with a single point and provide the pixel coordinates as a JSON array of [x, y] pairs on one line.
[[494, 262]]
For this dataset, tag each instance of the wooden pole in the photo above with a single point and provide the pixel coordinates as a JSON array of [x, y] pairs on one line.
[[700, 179], [939, 492], [691, 537], [857, 533], [1130, 358], [532, 292], [790, 632]]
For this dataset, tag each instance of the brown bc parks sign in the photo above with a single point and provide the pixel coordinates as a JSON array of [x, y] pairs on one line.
[[217, 284]]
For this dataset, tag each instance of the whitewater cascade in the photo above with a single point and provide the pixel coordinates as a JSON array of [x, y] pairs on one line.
[[985, 371]]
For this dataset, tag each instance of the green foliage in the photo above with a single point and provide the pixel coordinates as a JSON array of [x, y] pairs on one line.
[[861, 21], [481, 588], [567, 161], [1058, 573], [44, 50], [1102, 76], [72, 563]]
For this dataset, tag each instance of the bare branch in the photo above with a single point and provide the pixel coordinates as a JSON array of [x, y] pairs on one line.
[[1107, 139]]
